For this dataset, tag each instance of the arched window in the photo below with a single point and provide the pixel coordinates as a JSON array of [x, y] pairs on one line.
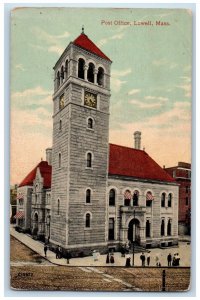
[[66, 69], [58, 207], [169, 227], [90, 73], [62, 74], [163, 200], [87, 220], [162, 229], [89, 160], [88, 196], [148, 228], [170, 200], [149, 199], [58, 79], [81, 65], [127, 198], [112, 197], [135, 198], [100, 76], [111, 229], [90, 123], [60, 125], [59, 160]]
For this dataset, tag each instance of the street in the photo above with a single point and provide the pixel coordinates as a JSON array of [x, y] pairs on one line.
[[31, 271]]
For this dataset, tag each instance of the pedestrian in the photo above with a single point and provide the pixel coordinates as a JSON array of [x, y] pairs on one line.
[[60, 252], [112, 259], [123, 251], [128, 262], [169, 260], [57, 252], [174, 260], [68, 256], [177, 259], [148, 259], [107, 258], [45, 250], [142, 257], [157, 260]]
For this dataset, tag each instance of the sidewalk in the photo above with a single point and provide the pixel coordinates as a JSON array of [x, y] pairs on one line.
[[38, 247]]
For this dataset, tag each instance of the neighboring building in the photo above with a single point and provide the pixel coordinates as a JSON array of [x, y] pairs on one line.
[[31, 200], [182, 175], [100, 194], [13, 203]]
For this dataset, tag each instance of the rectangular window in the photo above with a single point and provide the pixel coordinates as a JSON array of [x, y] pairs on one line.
[[186, 201], [111, 231], [187, 189]]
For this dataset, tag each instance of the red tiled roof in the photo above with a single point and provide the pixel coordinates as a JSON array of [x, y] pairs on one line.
[[135, 163], [84, 42], [45, 170]]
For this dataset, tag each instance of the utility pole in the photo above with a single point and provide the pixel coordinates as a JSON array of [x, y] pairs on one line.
[[134, 240]]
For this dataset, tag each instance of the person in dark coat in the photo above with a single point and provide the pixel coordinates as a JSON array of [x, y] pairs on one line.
[[128, 262], [169, 259], [142, 257], [45, 250], [112, 259], [148, 259], [57, 252], [68, 256], [108, 258]]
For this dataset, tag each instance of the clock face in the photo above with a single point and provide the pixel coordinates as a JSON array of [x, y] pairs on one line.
[[90, 100], [61, 102]]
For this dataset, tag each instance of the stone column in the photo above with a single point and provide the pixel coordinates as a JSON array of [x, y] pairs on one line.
[[65, 73], [95, 76], [85, 72]]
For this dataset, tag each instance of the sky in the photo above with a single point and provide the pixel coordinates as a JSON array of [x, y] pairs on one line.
[[150, 78]]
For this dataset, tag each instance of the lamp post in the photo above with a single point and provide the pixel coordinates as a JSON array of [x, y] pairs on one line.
[[134, 239]]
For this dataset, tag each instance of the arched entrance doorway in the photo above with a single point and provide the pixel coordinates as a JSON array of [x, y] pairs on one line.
[[134, 231]]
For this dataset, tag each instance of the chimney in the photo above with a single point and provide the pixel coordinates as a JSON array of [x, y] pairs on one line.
[[137, 137], [49, 156]]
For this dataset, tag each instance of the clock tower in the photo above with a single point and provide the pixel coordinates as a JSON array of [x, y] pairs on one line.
[[80, 147]]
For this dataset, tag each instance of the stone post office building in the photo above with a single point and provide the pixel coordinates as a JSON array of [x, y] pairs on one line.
[[90, 194]]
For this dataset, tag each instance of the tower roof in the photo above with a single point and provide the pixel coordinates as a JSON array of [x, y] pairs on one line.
[[84, 42]]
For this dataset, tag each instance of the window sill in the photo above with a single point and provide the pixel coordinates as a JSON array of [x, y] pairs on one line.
[[90, 129], [87, 228], [88, 168], [88, 203]]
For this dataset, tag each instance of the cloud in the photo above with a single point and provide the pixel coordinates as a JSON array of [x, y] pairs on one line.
[[160, 62], [121, 73], [56, 49], [162, 135], [187, 88], [49, 38], [141, 104], [20, 67], [104, 41], [156, 98], [37, 91], [163, 62], [134, 91], [117, 83]]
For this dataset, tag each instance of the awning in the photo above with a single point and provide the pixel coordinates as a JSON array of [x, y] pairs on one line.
[[149, 196], [127, 195], [19, 215]]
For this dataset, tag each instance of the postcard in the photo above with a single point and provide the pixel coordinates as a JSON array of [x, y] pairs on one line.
[[100, 191]]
